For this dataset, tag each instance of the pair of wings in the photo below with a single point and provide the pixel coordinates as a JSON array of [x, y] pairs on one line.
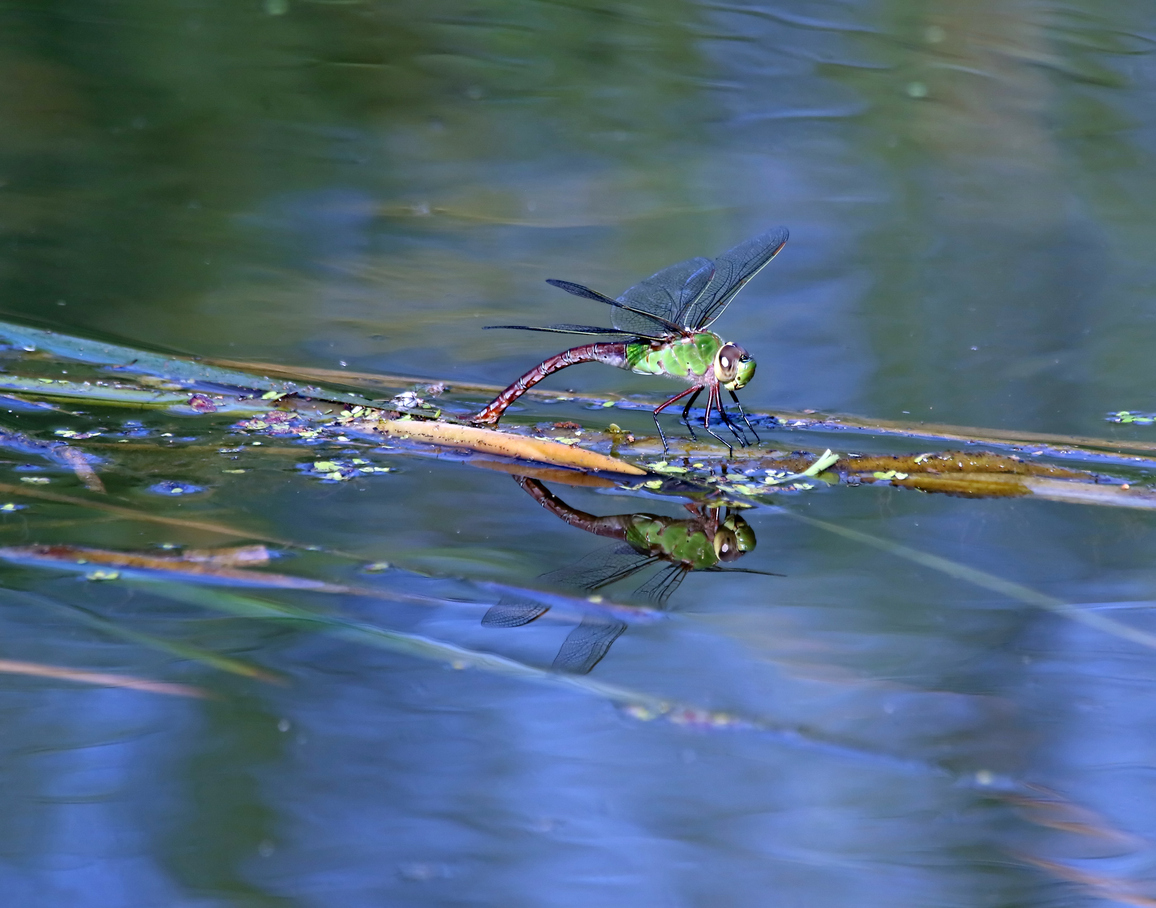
[[585, 646], [685, 297]]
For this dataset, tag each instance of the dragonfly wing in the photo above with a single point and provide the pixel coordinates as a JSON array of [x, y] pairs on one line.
[[662, 585], [579, 290], [652, 325], [513, 613], [600, 568], [585, 646], [568, 329], [660, 294], [734, 570], [731, 271]]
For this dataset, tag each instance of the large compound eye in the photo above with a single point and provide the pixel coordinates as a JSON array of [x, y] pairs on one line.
[[727, 361], [742, 535], [726, 544]]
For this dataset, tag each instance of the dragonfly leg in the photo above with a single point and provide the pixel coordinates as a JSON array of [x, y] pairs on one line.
[[686, 412], [663, 406], [736, 431], [728, 422], [743, 412], [711, 399]]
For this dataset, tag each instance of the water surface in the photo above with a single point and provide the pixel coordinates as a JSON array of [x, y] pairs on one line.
[[363, 186]]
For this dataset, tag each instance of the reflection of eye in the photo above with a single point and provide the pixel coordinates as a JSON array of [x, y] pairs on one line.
[[726, 545], [726, 363]]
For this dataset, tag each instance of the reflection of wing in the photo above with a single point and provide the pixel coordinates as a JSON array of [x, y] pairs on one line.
[[601, 567], [513, 613], [585, 646], [731, 271], [662, 585]]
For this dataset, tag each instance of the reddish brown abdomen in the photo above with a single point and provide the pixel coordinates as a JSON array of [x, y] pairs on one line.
[[612, 354]]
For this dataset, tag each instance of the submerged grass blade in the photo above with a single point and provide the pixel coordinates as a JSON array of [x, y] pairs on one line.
[[399, 642], [114, 394], [165, 567], [75, 458], [150, 641], [149, 568], [99, 679], [390, 384], [1009, 588], [1098, 885], [636, 704], [133, 514], [179, 369], [1088, 493], [133, 359], [1041, 442]]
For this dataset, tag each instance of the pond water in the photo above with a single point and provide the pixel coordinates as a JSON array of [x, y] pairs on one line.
[[363, 186]]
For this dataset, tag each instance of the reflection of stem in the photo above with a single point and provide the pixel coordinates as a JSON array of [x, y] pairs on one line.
[[81, 467], [133, 514], [100, 679]]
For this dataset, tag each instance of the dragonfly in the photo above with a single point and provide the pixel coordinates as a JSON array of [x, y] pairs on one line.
[[661, 327], [709, 540]]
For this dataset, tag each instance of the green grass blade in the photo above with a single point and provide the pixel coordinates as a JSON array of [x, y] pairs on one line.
[[1009, 588], [150, 641], [180, 369]]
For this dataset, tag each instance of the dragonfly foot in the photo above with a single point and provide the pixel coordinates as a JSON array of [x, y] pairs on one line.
[[662, 436], [733, 426], [711, 432], [743, 414]]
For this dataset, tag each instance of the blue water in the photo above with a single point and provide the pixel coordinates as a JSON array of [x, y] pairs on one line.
[[363, 186]]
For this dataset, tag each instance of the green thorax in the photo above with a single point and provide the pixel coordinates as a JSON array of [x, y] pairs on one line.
[[679, 541], [686, 358]]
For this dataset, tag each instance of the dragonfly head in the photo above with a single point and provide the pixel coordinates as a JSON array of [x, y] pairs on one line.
[[733, 367], [734, 539]]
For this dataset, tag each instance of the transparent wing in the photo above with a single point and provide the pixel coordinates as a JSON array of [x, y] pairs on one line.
[[705, 299], [568, 329], [585, 646], [662, 585], [600, 568], [649, 323], [511, 612], [660, 295]]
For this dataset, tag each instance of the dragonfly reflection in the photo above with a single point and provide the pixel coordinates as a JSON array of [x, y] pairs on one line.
[[706, 541]]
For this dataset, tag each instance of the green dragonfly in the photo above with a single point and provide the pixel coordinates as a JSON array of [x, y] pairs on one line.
[[709, 540], [661, 325]]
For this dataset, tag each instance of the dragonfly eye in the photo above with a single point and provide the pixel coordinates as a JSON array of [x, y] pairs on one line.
[[733, 366], [734, 539], [726, 361], [725, 545]]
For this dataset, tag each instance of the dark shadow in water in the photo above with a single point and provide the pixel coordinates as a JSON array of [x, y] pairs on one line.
[[708, 539]]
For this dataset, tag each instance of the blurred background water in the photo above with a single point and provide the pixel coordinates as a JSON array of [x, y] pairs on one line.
[[364, 185]]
